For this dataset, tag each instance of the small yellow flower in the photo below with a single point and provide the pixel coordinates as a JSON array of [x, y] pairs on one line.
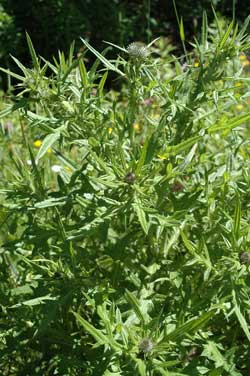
[[242, 57], [67, 168], [110, 130], [155, 116], [239, 107], [245, 63], [238, 84], [37, 143], [196, 64], [162, 157], [49, 151], [137, 127]]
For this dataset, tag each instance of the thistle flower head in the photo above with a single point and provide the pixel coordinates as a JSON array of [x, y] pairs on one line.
[[245, 258], [146, 345], [138, 50], [130, 178]]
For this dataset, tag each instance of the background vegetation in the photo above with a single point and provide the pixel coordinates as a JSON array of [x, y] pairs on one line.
[[55, 24]]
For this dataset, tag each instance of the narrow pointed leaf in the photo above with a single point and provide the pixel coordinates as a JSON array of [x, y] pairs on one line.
[[237, 217], [176, 149], [132, 300], [83, 73], [102, 83], [141, 215], [32, 52], [230, 124], [47, 143], [115, 45], [182, 33], [226, 36], [17, 76], [103, 59], [143, 155], [240, 317], [190, 326], [97, 334]]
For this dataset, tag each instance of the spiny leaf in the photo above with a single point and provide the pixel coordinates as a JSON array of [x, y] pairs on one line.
[[8, 110], [116, 46], [83, 73], [35, 301], [32, 52], [176, 149], [141, 215], [204, 29], [141, 367], [225, 37], [102, 83], [237, 218], [103, 59], [17, 76], [135, 305], [141, 161], [229, 124], [47, 143], [97, 334], [188, 327], [240, 316]]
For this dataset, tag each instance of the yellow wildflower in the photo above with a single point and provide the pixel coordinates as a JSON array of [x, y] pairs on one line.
[[155, 116], [245, 63], [242, 57], [162, 157], [238, 84], [110, 130], [137, 127], [37, 143], [67, 168], [196, 64], [239, 107]]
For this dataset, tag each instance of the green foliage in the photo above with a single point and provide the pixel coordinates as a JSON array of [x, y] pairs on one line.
[[124, 215], [55, 24]]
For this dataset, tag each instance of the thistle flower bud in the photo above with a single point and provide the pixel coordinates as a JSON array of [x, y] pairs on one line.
[[130, 178], [138, 50], [146, 345], [245, 258]]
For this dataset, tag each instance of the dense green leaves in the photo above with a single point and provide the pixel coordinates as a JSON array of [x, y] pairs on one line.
[[124, 245]]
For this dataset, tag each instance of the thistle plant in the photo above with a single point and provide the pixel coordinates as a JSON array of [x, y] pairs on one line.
[[124, 252]]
